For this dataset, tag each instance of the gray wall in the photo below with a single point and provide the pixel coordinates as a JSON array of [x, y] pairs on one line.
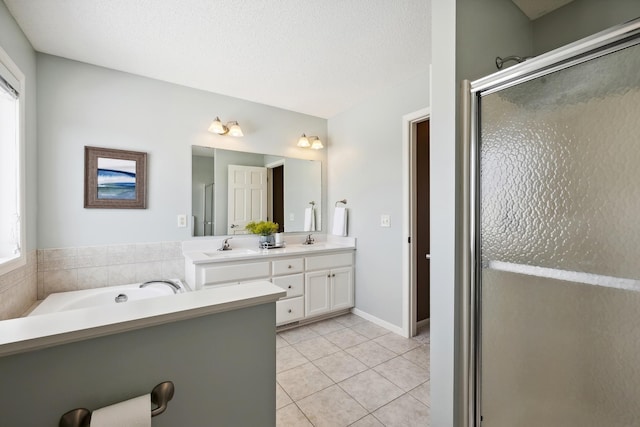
[[81, 104], [229, 384], [467, 36], [365, 155], [13, 41], [580, 19]]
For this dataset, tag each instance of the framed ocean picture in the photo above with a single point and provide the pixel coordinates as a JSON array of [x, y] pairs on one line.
[[115, 178]]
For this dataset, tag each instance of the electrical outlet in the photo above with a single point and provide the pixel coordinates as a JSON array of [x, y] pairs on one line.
[[385, 220], [182, 221]]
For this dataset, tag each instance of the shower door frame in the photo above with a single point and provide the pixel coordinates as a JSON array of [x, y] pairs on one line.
[[611, 40]]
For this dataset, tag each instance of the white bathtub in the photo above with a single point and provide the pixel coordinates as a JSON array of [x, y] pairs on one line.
[[71, 300]]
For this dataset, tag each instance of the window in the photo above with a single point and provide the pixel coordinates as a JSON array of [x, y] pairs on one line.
[[12, 232]]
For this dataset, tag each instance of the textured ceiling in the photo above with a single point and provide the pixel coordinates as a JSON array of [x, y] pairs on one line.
[[317, 57]]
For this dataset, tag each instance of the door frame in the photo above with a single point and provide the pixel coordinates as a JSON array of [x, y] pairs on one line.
[[409, 221]]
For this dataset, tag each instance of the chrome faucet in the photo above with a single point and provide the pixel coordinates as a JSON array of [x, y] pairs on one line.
[[225, 245], [309, 240], [173, 286]]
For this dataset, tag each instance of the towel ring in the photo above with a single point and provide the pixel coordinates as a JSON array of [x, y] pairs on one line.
[[343, 201], [312, 203]]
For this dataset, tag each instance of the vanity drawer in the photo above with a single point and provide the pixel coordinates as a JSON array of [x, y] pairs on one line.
[[294, 284], [288, 266], [289, 310], [236, 272], [321, 262]]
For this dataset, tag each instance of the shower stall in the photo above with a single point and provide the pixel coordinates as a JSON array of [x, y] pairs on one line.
[[554, 237]]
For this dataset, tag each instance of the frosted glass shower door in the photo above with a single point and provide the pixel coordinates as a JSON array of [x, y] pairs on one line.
[[559, 227]]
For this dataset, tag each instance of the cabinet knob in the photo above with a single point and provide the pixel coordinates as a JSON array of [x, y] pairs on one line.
[[290, 266], [328, 275], [333, 275], [289, 310], [289, 286]]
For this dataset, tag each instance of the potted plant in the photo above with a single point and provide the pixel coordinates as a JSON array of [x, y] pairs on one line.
[[265, 229]]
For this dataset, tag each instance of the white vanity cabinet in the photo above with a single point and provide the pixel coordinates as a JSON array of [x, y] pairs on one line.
[[318, 280], [330, 288], [288, 274]]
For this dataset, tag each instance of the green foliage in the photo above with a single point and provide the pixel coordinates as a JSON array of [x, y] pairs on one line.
[[263, 228]]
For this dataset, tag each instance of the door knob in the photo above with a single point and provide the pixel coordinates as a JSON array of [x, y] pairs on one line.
[[428, 256]]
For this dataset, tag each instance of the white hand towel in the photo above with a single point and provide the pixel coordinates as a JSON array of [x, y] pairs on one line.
[[134, 412], [309, 219], [340, 221]]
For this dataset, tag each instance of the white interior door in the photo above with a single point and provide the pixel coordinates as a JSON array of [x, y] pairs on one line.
[[247, 197]]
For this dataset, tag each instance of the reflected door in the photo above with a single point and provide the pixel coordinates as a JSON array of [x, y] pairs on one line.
[[247, 197], [559, 219]]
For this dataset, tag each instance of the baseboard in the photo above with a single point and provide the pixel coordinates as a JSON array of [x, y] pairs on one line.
[[423, 323], [373, 319]]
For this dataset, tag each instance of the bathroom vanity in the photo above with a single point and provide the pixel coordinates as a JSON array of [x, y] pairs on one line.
[[318, 278]]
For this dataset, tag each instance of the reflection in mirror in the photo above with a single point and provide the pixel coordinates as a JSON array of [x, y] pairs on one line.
[[230, 188]]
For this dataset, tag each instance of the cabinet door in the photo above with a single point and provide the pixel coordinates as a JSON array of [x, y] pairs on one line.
[[317, 292], [341, 288]]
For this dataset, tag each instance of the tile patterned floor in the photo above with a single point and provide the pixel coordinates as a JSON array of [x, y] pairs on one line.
[[347, 371]]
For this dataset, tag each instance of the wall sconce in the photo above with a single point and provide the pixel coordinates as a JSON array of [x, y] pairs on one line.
[[232, 128], [312, 142]]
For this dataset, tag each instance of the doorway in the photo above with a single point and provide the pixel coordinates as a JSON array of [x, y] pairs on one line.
[[422, 257], [416, 253]]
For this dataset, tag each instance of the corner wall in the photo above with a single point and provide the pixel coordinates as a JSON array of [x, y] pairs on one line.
[[365, 154], [18, 288]]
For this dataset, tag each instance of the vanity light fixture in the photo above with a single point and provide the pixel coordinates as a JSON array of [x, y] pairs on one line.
[[312, 142], [304, 141], [316, 144], [232, 128]]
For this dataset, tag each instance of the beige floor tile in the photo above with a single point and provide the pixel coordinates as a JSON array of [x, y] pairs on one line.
[[291, 416], [423, 393], [288, 357], [325, 327], [302, 381], [371, 353], [340, 366], [349, 319], [345, 338], [369, 330], [293, 336], [331, 407], [419, 356], [371, 389], [423, 335], [368, 421], [280, 342], [401, 372], [282, 398], [396, 343], [315, 348], [402, 412]]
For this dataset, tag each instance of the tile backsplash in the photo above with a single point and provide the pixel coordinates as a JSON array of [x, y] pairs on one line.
[[71, 269], [18, 288]]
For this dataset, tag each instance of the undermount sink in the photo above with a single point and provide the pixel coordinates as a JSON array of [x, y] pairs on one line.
[[231, 252]]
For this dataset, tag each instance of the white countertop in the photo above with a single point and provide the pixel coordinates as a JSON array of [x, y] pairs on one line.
[[199, 253], [47, 330]]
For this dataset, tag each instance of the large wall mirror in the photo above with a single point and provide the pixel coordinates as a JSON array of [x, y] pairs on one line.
[[230, 188]]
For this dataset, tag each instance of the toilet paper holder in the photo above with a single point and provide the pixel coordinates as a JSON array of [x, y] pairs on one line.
[[160, 395]]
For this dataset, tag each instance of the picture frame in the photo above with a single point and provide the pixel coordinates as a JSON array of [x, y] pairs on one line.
[[115, 179]]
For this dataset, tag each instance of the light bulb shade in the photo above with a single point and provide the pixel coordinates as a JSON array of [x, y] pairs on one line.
[[304, 142], [218, 127], [316, 144], [234, 129]]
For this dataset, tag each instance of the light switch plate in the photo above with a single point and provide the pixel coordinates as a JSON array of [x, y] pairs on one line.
[[385, 220], [182, 221]]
